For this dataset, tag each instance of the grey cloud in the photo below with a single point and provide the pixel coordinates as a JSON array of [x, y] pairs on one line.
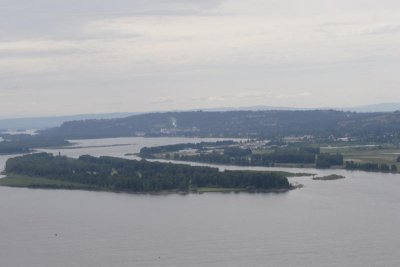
[[193, 54], [21, 19], [385, 29]]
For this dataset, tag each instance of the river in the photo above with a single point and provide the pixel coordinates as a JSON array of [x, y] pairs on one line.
[[349, 222]]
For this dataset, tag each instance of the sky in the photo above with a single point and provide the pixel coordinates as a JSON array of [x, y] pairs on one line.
[[94, 56]]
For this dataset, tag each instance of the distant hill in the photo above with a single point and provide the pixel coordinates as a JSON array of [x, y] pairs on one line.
[[254, 108], [45, 122], [55, 121], [50, 122], [382, 107], [266, 124]]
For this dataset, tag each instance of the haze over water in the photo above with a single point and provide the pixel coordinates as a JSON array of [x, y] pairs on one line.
[[349, 222]]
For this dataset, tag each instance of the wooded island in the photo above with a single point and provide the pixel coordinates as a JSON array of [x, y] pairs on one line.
[[43, 170]]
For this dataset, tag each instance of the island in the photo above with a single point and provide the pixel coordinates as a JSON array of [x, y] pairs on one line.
[[44, 170], [329, 177], [25, 143], [266, 153], [246, 153]]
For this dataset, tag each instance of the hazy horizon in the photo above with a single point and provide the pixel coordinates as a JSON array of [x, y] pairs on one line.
[[89, 57], [379, 107]]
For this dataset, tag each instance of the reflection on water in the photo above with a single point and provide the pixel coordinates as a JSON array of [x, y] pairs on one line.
[[349, 222]]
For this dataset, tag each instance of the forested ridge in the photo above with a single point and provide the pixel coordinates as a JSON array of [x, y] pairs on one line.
[[380, 127]]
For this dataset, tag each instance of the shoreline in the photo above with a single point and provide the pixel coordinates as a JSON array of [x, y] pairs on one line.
[[281, 165], [49, 184], [331, 177]]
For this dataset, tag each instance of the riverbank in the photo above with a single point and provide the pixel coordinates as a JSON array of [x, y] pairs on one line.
[[329, 177], [14, 180], [23, 181], [366, 158]]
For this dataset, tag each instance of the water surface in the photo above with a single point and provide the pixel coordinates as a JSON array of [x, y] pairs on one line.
[[349, 222]]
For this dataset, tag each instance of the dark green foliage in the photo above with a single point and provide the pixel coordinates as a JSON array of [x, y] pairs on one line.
[[215, 157], [23, 143], [372, 167], [325, 160], [118, 174], [393, 168], [178, 147], [13, 148], [323, 124], [311, 150], [236, 152], [243, 157], [322, 164], [289, 155]]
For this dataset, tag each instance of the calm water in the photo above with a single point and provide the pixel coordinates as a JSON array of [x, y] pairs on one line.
[[350, 222]]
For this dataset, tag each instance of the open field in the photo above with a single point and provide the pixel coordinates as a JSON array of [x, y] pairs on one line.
[[367, 154], [35, 182]]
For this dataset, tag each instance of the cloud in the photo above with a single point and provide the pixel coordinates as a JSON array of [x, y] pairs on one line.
[[164, 100], [384, 29], [187, 52], [296, 95]]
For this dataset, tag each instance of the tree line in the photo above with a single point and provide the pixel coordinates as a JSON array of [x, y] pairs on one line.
[[24, 143], [370, 167], [245, 156], [177, 147], [119, 174], [324, 125]]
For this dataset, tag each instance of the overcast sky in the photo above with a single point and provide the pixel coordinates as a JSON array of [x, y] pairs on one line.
[[94, 56]]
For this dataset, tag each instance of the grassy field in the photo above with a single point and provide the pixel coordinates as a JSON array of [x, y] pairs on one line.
[[367, 154], [35, 182]]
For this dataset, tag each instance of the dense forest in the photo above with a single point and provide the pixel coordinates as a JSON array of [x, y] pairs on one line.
[[116, 174], [172, 148], [24, 143], [322, 124], [218, 153], [371, 167]]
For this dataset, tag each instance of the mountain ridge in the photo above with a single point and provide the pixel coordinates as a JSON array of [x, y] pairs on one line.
[[44, 122]]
